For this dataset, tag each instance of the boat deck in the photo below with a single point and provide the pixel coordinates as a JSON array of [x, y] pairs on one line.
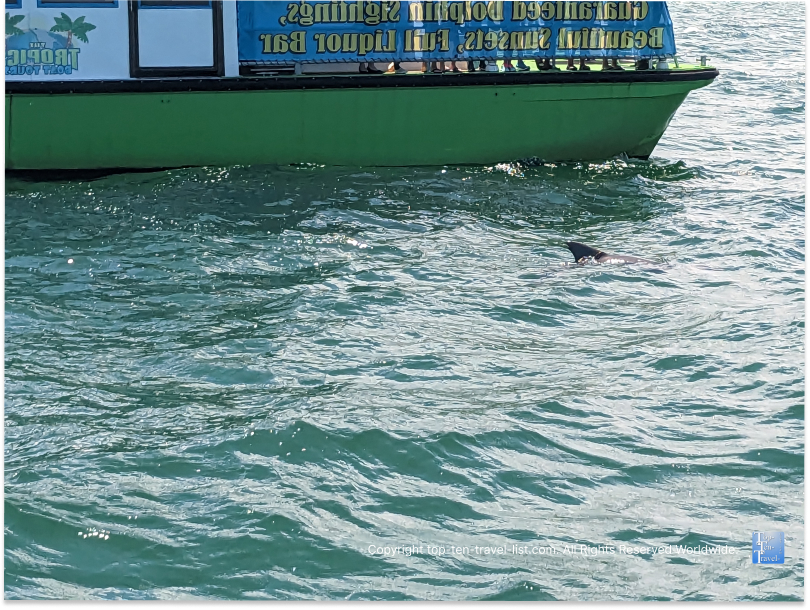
[[594, 65], [344, 79]]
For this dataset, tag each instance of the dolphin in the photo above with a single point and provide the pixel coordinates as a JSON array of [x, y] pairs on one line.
[[584, 254]]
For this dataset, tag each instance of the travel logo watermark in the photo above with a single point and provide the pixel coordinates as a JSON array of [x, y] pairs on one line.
[[438, 550], [768, 547]]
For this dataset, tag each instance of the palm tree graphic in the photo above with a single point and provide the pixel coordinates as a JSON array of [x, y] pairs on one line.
[[11, 25], [78, 28]]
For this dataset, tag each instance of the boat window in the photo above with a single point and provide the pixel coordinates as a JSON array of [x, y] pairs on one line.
[[13, 3], [174, 3], [76, 3]]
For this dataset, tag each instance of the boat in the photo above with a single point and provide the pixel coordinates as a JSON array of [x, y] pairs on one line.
[[139, 84]]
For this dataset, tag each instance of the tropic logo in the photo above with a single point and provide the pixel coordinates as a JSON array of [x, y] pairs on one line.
[[37, 51]]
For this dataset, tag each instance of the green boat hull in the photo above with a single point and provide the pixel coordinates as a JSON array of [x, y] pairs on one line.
[[371, 126]]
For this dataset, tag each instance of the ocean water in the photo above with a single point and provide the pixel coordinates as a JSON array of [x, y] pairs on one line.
[[244, 382]]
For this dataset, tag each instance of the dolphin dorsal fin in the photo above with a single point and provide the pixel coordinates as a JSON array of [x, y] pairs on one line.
[[582, 251]]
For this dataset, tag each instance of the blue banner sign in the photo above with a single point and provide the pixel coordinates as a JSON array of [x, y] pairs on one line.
[[352, 31]]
